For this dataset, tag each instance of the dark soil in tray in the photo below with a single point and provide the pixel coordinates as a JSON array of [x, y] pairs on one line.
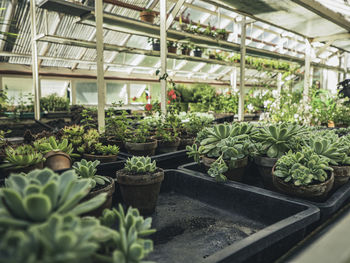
[[190, 229]]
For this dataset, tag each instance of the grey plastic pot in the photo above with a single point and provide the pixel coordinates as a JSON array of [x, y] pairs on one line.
[[341, 175]]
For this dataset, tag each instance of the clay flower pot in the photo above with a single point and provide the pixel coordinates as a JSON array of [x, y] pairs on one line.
[[109, 189], [140, 191], [310, 192], [167, 147], [147, 16], [57, 160], [101, 158], [233, 174], [341, 175], [141, 149], [264, 165]]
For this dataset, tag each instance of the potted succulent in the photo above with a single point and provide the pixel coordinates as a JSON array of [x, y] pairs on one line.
[[271, 142], [57, 153], [198, 51], [99, 184], [186, 48], [74, 134], [140, 182], [224, 150], [172, 47], [21, 159], [155, 42], [139, 142], [303, 174], [148, 15], [92, 149]]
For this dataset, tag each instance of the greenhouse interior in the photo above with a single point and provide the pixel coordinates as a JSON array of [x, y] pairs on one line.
[[140, 130]]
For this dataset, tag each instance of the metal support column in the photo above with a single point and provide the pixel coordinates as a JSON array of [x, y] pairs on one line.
[[101, 88], [35, 68], [242, 71], [163, 55], [279, 89], [307, 73]]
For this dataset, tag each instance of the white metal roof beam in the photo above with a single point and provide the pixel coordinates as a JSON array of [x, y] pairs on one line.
[[331, 37], [324, 48]]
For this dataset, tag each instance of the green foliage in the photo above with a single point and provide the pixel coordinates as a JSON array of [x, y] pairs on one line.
[[33, 198], [193, 151], [46, 145], [88, 118], [54, 103], [277, 139], [22, 156], [217, 170], [186, 93], [87, 169], [116, 125], [91, 145], [140, 165], [302, 168], [74, 134], [194, 124], [139, 135], [128, 244], [106, 149]]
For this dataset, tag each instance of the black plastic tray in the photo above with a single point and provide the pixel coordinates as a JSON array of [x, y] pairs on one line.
[[166, 160], [334, 202], [198, 220]]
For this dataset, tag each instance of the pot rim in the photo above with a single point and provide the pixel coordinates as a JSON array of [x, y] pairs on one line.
[[54, 153], [153, 141], [110, 188], [100, 156], [157, 176]]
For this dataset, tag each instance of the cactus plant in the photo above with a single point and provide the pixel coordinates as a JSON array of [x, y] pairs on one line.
[[129, 243], [140, 165], [22, 156], [87, 169], [34, 197]]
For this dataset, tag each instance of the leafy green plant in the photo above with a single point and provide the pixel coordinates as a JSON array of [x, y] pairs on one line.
[[302, 168], [46, 145], [54, 103], [277, 139], [74, 134], [217, 170], [139, 165], [127, 244], [106, 149], [139, 135], [116, 125], [87, 169], [33, 198], [22, 156]]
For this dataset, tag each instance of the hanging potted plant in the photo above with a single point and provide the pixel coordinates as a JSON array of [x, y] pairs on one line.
[[92, 149], [140, 182], [148, 15], [271, 142], [198, 51], [223, 150], [155, 42], [172, 46], [57, 154], [24, 159], [99, 184], [138, 142], [303, 174]]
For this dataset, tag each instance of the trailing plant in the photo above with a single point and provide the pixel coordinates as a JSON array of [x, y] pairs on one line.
[[218, 169], [87, 169], [302, 168], [22, 156], [32, 198], [140, 165], [127, 244]]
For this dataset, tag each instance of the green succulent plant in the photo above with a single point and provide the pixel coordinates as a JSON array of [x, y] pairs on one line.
[[33, 198], [302, 168], [22, 156], [46, 145], [140, 164], [217, 170], [128, 243], [277, 139], [87, 169], [74, 134], [106, 149]]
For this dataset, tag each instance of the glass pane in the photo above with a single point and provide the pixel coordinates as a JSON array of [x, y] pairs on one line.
[[86, 93], [138, 93], [116, 92], [18, 89], [49, 86]]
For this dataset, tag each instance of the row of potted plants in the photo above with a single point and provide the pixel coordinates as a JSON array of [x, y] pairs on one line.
[[297, 160]]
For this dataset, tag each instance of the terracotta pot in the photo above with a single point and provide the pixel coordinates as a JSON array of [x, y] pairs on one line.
[[172, 49], [186, 141], [331, 124], [234, 173], [101, 158], [264, 165], [341, 175], [140, 191], [57, 160], [141, 149], [146, 16], [167, 147], [316, 192], [6, 172], [109, 189]]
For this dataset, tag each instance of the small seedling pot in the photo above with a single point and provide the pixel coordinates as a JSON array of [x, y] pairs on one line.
[[234, 173], [109, 189], [57, 160], [101, 158], [341, 175], [264, 165], [147, 16], [313, 192], [167, 147], [140, 191], [142, 149]]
